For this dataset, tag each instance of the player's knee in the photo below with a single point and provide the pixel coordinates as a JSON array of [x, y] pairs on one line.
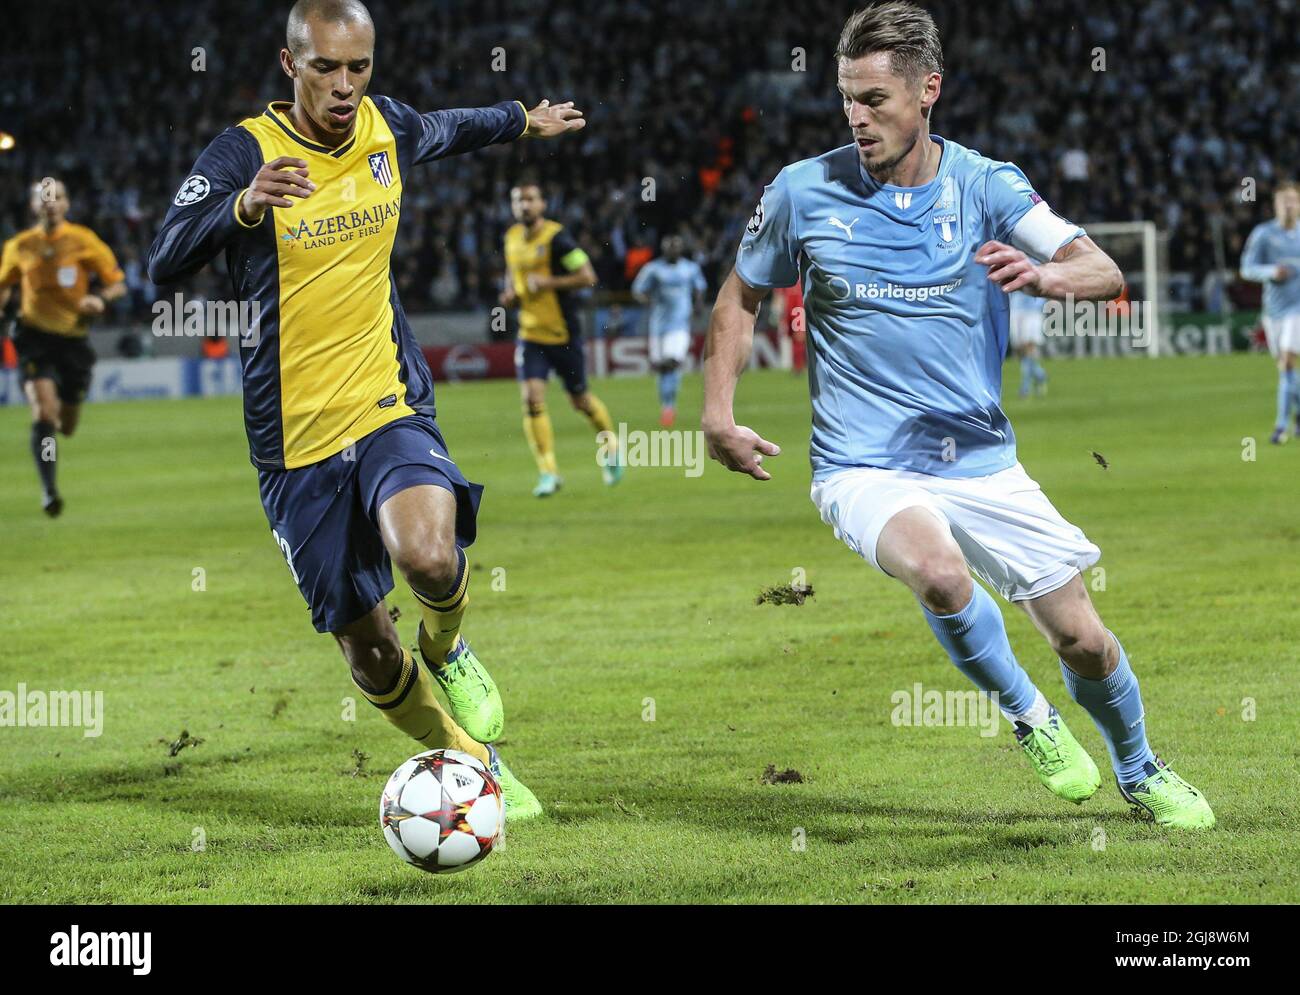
[[580, 402], [430, 569], [943, 583], [534, 409]]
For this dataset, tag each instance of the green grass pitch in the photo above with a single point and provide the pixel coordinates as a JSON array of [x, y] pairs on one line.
[[645, 690]]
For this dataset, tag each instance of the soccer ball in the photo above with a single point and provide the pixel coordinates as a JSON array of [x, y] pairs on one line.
[[442, 811]]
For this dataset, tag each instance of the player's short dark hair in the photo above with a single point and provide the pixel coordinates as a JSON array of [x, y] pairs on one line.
[[1285, 185], [334, 11], [528, 181], [904, 30]]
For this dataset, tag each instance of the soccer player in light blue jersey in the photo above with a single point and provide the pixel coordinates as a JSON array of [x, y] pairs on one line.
[[672, 285], [907, 246], [1026, 338], [1272, 257]]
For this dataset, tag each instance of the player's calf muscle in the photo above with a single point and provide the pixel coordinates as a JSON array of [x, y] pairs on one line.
[[372, 648]]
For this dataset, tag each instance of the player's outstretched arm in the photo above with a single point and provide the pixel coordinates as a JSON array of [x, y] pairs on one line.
[[1080, 268], [726, 353], [438, 134]]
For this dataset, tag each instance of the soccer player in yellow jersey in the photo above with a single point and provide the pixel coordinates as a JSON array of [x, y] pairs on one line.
[[54, 263], [304, 200], [545, 266]]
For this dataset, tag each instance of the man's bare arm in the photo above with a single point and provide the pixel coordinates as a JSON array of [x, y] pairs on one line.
[[726, 354], [1079, 268]]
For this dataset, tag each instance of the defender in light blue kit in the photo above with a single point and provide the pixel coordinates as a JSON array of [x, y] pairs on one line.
[[907, 245]]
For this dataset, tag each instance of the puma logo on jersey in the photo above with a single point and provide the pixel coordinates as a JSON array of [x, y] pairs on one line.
[[847, 229]]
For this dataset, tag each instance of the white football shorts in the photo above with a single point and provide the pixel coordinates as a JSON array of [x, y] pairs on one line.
[[1283, 334], [1026, 328], [670, 345], [1010, 534]]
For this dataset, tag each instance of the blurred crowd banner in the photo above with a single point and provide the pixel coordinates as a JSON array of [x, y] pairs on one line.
[[133, 379]]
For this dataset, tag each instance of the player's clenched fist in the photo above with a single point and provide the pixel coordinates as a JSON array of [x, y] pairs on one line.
[[741, 449], [273, 185]]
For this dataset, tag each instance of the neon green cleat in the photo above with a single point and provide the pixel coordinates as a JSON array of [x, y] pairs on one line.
[[1062, 764], [472, 694], [520, 802], [1165, 798], [547, 484]]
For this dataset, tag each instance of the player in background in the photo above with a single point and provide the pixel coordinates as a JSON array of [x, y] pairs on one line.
[[544, 268], [304, 199], [908, 244], [1272, 257], [672, 286], [54, 261], [788, 302], [1027, 339]]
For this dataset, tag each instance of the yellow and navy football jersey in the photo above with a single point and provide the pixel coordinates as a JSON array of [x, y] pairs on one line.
[[334, 358], [548, 317], [55, 270]]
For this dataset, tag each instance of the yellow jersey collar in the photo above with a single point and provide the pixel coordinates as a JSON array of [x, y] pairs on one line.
[[277, 111]]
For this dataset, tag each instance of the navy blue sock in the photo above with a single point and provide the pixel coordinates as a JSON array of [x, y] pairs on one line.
[[1115, 704], [976, 641], [45, 451]]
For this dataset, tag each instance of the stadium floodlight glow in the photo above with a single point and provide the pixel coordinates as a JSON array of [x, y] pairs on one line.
[[6, 141]]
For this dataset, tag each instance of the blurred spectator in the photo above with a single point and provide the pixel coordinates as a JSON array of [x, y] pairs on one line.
[[698, 97]]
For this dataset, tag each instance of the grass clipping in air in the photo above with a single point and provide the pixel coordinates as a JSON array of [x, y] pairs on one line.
[[784, 594]]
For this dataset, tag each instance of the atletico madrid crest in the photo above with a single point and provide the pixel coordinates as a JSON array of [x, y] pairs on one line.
[[381, 169]]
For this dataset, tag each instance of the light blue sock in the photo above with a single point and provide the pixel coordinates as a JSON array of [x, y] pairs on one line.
[[1115, 704], [1026, 374], [1295, 391], [1286, 389], [669, 384], [1040, 374], [976, 641]]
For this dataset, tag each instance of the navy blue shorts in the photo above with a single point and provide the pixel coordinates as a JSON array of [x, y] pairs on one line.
[[325, 517], [534, 361]]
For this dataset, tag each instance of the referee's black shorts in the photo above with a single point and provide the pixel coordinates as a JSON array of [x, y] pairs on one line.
[[66, 359]]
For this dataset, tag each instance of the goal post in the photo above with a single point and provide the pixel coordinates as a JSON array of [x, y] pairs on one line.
[[1141, 254]]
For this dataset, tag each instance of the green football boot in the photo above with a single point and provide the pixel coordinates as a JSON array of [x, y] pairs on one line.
[[1165, 798], [472, 694], [547, 484], [520, 802], [1062, 764]]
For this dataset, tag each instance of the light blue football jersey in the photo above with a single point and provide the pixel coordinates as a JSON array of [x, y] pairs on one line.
[[671, 288], [906, 332], [1269, 246]]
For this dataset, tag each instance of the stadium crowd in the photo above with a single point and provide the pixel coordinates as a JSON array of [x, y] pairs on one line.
[[1115, 110]]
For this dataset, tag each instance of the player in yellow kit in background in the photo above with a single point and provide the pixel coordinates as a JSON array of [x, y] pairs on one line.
[[545, 266], [54, 262]]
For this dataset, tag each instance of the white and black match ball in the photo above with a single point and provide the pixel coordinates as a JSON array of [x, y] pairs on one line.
[[442, 811]]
